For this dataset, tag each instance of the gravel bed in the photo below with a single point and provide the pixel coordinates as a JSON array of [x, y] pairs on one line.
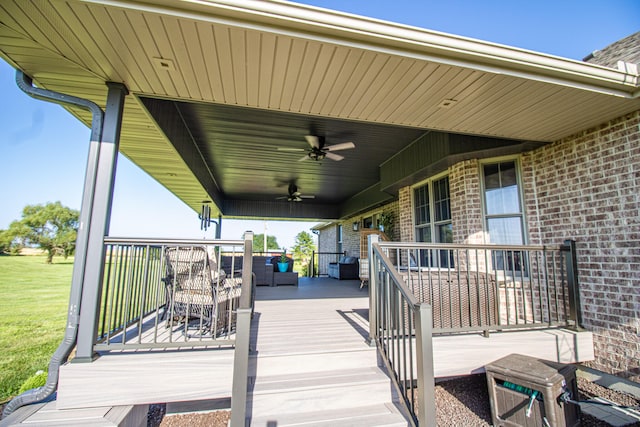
[[156, 417], [461, 401]]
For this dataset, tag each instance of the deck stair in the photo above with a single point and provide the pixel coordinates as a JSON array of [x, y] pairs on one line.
[[311, 364]]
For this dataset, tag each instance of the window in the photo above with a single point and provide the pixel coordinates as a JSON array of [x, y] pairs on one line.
[[503, 211], [367, 222], [339, 239], [432, 217]]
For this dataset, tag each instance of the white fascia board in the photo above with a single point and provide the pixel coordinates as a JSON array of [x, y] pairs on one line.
[[313, 23]]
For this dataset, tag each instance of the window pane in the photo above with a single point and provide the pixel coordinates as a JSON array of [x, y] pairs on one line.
[[444, 233], [506, 231], [508, 174], [503, 201], [491, 177], [441, 199], [423, 234], [421, 200], [501, 189], [367, 222]]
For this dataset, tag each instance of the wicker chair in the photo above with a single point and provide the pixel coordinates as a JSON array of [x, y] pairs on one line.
[[195, 291]]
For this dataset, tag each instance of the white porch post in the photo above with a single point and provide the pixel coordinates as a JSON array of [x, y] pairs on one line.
[[99, 223], [373, 289]]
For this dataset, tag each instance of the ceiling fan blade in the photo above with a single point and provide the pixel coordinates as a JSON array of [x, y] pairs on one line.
[[282, 197], [307, 197], [306, 156], [313, 141], [289, 149], [342, 146], [335, 157]]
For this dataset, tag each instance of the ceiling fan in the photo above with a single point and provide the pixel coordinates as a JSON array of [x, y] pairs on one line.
[[294, 195], [319, 150]]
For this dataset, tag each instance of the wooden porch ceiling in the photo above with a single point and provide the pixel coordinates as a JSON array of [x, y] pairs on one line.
[[275, 70]]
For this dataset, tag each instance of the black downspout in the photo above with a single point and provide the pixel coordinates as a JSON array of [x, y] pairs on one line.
[[25, 83]]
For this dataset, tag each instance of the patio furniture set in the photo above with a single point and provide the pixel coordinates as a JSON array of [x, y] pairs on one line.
[[203, 294], [265, 269]]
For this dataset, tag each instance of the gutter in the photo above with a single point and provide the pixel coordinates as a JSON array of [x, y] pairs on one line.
[[61, 355]]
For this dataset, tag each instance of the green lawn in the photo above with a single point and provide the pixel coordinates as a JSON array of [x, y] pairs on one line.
[[33, 311]]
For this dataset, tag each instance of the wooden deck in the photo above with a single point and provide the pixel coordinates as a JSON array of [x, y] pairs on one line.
[[310, 361]]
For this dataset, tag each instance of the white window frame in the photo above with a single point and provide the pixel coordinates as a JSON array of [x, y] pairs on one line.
[[433, 223], [518, 263], [435, 260], [522, 213]]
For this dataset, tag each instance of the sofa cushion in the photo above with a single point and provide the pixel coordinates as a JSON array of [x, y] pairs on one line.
[[348, 260]]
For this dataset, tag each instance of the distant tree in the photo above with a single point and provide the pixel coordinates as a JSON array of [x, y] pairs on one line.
[[258, 242], [5, 242], [303, 249], [51, 227]]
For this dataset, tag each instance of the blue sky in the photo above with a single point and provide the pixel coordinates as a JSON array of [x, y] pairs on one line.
[[43, 149]]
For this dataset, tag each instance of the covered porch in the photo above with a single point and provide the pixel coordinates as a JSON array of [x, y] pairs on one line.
[[409, 103]]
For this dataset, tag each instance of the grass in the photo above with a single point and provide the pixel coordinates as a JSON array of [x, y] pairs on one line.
[[33, 310]]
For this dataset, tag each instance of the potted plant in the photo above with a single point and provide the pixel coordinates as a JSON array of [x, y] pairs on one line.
[[283, 263]]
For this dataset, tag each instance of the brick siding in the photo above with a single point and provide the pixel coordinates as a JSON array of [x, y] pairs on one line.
[[405, 217], [466, 206], [587, 187]]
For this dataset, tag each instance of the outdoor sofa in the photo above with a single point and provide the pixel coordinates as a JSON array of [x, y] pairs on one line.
[[345, 269], [262, 268]]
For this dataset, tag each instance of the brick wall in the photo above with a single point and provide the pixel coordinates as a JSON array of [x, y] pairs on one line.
[[350, 239], [587, 187], [405, 217], [327, 239], [466, 207]]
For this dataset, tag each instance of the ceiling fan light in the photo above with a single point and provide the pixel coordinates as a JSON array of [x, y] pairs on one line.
[[317, 155]]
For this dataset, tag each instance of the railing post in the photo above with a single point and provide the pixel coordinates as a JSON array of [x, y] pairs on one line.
[[575, 310], [246, 295], [240, 369], [243, 337], [424, 360], [373, 286], [312, 267]]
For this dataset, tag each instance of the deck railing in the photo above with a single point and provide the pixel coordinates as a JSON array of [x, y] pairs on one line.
[[491, 287], [168, 294], [420, 289], [401, 327], [320, 261]]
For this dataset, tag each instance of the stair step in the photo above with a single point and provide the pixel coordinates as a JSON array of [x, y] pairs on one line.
[[299, 362], [48, 415], [314, 380], [383, 415], [328, 397]]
